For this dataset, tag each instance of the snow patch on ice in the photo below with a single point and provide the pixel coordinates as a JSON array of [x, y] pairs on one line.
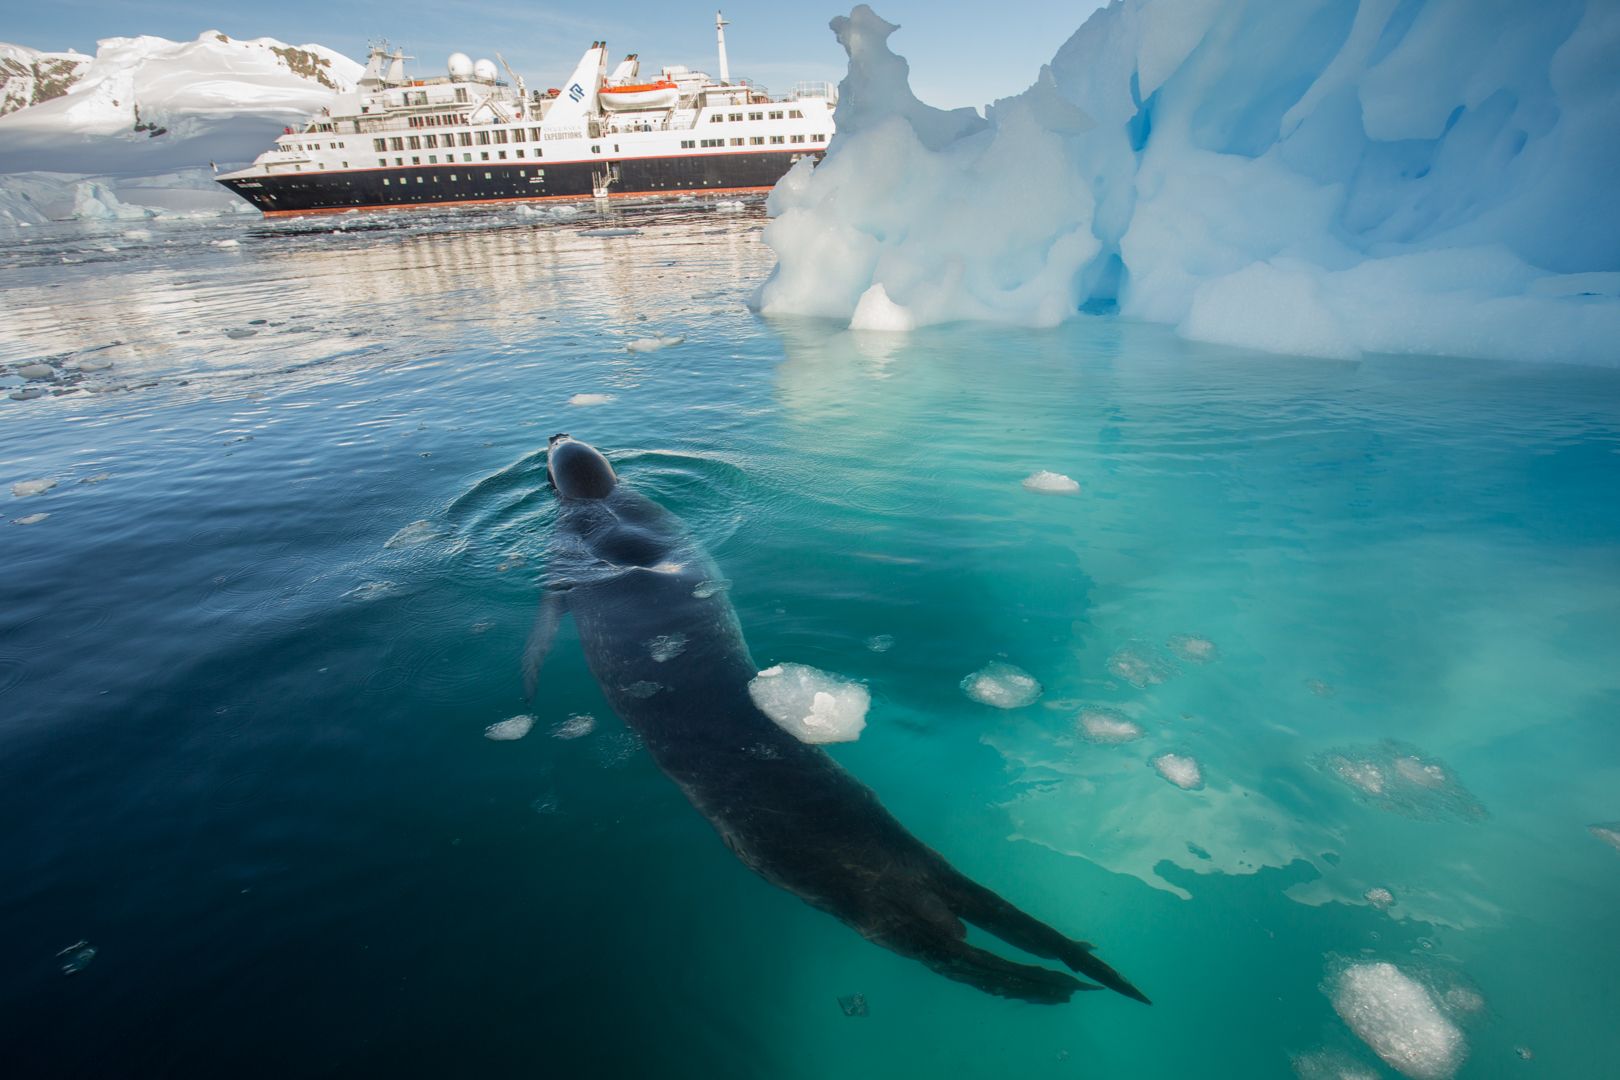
[[1396, 1016], [1002, 685], [1051, 483], [811, 705], [507, 730]]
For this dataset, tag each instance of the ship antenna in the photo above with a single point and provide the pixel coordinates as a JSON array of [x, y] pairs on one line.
[[720, 25]]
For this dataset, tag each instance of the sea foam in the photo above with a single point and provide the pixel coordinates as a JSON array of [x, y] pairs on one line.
[[1051, 483], [508, 730]]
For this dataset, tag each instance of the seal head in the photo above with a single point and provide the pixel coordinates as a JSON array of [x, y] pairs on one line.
[[578, 470]]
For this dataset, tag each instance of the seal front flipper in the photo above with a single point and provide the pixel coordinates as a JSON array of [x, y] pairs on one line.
[[552, 606]]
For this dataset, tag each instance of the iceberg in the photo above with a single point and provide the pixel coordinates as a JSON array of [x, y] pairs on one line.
[[1325, 178]]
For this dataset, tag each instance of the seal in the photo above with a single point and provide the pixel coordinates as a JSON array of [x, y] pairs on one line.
[[667, 649]]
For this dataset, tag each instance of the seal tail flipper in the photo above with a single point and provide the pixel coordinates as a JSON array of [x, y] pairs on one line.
[[984, 909], [956, 959], [552, 607]]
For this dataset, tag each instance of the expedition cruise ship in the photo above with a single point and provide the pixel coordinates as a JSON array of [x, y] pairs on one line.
[[469, 137]]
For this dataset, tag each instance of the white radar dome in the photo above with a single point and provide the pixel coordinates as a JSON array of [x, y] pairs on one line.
[[461, 66], [484, 71]]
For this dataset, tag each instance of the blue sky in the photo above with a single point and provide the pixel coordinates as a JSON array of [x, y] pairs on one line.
[[958, 54]]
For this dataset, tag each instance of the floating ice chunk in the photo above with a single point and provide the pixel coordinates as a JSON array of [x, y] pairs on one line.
[[880, 642], [1379, 897], [90, 363], [590, 399], [811, 705], [666, 647], [1180, 770], [1194, 649], [27, 393], [415, 534], [76, 957], [97, 479], [577, 726], [507, 730], [1331, 1065], [1400, 778], [24, 488], [37, 372], [1002, 685], [653, 344], [227, 243], [31, 519], [1139, 665], [1051, 483], [1608, 832], [611, 232], [1107, 726], [1395, 1015], [705, 589], [371, 590]]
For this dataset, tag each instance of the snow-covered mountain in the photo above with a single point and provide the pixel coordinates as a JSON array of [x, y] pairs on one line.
[[146, 116], [159, 83], [28, 76]]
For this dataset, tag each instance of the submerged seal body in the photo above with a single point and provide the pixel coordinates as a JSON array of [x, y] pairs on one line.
[[664, 642]]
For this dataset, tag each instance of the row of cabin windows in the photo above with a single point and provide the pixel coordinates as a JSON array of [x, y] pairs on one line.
[[774, 114], [483, 155], [314, 146], [539, 174], [498, 137], [444, 120]]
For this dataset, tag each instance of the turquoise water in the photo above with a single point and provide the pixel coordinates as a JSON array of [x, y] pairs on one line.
[[242, 712]]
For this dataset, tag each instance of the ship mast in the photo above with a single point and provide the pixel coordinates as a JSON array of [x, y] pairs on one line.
[[720, 25]]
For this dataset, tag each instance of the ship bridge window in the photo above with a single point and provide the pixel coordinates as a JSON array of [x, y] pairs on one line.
[[464, 138], [500, 135], [534, 134], [461, 95], [483, 138], [432, 142], [776, 114], [756, 116], [517, 134], [717, 118], [415, 142], [735, 116], [795, 114]]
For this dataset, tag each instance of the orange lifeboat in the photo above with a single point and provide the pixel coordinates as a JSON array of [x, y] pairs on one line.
[[653, 95]]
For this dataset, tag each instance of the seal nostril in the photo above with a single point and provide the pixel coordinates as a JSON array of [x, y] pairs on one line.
[[560, 435]]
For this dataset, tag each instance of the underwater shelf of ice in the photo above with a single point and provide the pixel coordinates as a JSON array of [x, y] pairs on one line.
[[1325, 178]]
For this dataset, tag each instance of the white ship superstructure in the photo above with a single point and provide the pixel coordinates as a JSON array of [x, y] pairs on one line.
[[469, 136]]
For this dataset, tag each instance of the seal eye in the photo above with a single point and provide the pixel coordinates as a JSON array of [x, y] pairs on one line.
[[578, 470]]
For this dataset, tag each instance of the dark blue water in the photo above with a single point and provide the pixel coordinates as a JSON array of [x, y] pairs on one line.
[[292, 552]]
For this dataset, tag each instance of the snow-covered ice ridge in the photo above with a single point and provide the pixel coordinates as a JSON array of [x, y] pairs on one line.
[[1319, 177]]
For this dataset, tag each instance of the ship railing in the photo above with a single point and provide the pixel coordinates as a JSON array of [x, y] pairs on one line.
[[813, 90]]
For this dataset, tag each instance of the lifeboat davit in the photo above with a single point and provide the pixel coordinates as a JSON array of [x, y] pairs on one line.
[[653, 95]]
